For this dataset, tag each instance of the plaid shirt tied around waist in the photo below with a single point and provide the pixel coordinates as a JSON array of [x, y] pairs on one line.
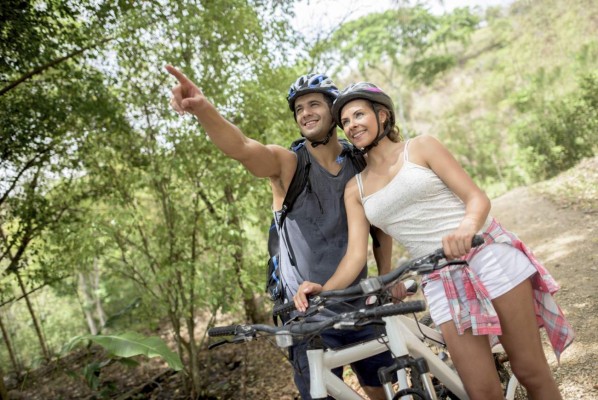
[[478, 313]]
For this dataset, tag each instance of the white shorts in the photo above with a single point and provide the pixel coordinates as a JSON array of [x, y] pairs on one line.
[[499, 266]]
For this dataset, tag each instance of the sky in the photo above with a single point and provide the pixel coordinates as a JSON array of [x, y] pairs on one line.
[[316, 16]]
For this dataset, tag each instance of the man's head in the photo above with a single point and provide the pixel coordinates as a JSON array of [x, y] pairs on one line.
[[310, 98]]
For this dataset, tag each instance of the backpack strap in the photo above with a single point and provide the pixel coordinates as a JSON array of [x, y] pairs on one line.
[[299, 181], [355, 155]]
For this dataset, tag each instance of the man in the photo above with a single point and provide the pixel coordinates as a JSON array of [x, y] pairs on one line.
[[315, 230]]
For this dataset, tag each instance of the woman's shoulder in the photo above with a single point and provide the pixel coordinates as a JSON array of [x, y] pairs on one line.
[[352, 188], [424, 140], [423, 148]]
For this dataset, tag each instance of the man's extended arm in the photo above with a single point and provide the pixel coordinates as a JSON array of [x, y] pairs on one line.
[[261, 160]]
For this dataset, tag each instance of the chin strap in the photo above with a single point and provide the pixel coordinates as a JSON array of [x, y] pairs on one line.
[[380, 136], [326, 139]]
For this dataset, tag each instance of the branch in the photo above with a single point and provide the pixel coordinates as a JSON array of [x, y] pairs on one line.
[[32, 291], [49, 65], [208, 203], [27, 166]]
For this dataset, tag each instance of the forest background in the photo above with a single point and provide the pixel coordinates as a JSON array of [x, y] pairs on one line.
[[117, 215]]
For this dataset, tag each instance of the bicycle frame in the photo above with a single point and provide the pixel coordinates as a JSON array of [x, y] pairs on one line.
[[405, 336], [401, 339]]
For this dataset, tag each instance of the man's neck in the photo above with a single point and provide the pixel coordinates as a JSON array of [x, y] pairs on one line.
[[326, 154]]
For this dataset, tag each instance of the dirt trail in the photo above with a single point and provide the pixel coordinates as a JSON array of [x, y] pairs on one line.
[[566, 241]]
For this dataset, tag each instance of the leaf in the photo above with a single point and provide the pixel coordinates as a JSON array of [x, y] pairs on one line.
[[132, 344], [91, 372]]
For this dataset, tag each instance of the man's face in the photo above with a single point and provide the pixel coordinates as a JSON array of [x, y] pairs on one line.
[[312, 114]]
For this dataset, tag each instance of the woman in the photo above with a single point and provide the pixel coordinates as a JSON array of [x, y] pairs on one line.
[[419, 194]]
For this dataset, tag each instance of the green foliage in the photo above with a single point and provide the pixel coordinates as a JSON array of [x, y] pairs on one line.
[[60, 317], [122, 348], [91, 373], [131, 344], [513, 108], [561, 133], [102, 174], [425, 70], [408, 38]]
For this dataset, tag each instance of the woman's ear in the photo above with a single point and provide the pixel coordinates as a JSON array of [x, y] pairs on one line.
[[383, 115]]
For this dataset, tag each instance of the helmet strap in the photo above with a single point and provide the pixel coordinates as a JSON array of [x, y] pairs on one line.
[[330, 132], [380, 135], [326, 139]]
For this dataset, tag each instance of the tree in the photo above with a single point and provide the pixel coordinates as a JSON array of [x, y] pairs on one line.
[[401, 45], [87, 138], [45, 116]]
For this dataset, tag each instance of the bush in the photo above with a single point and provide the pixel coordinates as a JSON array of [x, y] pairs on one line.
[[557, 136]]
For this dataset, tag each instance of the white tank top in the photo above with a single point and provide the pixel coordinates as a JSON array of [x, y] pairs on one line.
[[416, 208]]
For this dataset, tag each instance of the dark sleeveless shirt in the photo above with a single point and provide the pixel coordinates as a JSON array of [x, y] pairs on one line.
[[316, 229]]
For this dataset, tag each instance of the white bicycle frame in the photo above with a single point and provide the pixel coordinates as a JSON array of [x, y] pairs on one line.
[[403, 338]]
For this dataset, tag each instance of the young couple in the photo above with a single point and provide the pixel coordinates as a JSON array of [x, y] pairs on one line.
[[418, 194]]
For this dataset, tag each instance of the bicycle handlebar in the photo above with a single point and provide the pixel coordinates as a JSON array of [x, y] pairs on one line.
[[420, 265], [348, 320]]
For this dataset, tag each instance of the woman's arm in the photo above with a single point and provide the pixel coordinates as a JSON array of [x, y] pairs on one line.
[[428, 151], [355, 257]]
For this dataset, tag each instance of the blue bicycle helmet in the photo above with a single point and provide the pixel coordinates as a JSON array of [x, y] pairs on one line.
[[313, 83]]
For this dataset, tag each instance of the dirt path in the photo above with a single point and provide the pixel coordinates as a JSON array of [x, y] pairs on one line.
[[566, 241]]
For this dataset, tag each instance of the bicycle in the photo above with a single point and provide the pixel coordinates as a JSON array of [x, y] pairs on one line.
[[420, 372]]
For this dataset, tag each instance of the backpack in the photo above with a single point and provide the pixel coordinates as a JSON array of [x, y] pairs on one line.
[[300, 180]]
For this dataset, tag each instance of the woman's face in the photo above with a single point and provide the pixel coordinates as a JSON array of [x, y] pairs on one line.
[[358, 120]]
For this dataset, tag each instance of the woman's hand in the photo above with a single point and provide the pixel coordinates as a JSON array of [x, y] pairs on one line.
[[305, 289], [458, 243], [399, 292]]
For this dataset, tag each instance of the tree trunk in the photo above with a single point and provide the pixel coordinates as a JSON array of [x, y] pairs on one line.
[[193, 357], [38, 330], [252, 311], [249, 303], [3, 391], [96, 293], [9, 347], [87, 304]]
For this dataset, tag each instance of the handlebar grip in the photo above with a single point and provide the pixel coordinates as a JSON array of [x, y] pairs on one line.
[[476, 240], [407, 307], [229, 330], [283, 309]]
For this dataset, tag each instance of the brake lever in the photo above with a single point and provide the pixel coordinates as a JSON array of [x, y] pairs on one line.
[[427, 268], [219, 343], [361, 324], [314, 307], [454, 262], [243, 338]]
